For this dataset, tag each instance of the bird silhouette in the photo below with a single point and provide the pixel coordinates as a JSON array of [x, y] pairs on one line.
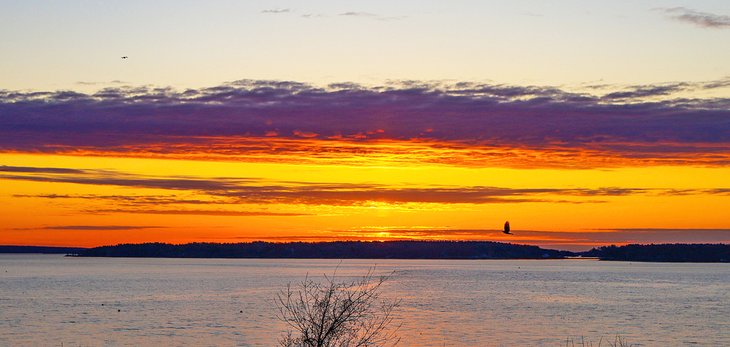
[[506, 228], [125, 57]]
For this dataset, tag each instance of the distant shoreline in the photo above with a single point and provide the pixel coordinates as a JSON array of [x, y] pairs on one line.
[[332, 250], [699, 253], [4, 249]]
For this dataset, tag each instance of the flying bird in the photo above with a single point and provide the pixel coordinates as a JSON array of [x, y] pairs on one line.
[[125, 57], [506, 228]]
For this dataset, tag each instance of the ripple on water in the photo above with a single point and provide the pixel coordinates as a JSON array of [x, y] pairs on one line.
[[132, 302]]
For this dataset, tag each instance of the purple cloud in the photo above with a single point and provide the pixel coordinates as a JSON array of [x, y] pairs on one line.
[[701, 19], [51, 170], [276, 118]]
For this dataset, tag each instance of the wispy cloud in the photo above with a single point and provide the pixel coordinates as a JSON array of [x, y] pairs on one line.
[[701, 19], [468, 124], [52, 170], [637, 92], [648, 92], [93, 227], [130, 200], [276, 10], [257, 191], [370, 15], [90, 83], [358, 14], [197, 212]]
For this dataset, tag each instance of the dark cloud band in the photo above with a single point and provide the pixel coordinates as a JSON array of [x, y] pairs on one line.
[[94, 227], [495, 125], [256, 191]]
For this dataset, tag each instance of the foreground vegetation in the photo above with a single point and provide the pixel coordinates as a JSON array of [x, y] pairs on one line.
[[618, 341], [337, 314]]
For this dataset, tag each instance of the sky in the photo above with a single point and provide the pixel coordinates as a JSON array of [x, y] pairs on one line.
[[583, 123]]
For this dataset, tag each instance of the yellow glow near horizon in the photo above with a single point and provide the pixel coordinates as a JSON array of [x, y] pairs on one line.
[[92, 214]]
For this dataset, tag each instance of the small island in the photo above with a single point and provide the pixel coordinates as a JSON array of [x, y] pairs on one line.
[[673, 252]]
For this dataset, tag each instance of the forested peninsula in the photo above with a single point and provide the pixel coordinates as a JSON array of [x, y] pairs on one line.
[[332, 250], [412, 250]]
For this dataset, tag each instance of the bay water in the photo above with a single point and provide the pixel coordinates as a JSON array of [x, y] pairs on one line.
[[52, 300]]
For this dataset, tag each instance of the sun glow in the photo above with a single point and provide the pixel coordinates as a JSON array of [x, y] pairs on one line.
[[88, 201]]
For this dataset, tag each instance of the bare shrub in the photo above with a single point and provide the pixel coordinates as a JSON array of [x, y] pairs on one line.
[[334, 314], [618, 341]]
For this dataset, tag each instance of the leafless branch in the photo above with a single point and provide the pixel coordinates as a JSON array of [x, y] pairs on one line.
[[332, 313]]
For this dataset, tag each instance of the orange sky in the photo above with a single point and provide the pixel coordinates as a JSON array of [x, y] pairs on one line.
[[583, 123], [99, 199]]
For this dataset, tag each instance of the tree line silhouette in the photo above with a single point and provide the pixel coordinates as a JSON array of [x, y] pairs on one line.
[[336, 250], [392, 250], [674, 252]]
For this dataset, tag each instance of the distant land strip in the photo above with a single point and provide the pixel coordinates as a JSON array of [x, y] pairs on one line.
[[671, 252], [40, 249], [331, 250], [698, 253], [709, 253]]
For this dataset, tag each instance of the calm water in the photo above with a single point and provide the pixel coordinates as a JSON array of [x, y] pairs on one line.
[[49, 300]]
